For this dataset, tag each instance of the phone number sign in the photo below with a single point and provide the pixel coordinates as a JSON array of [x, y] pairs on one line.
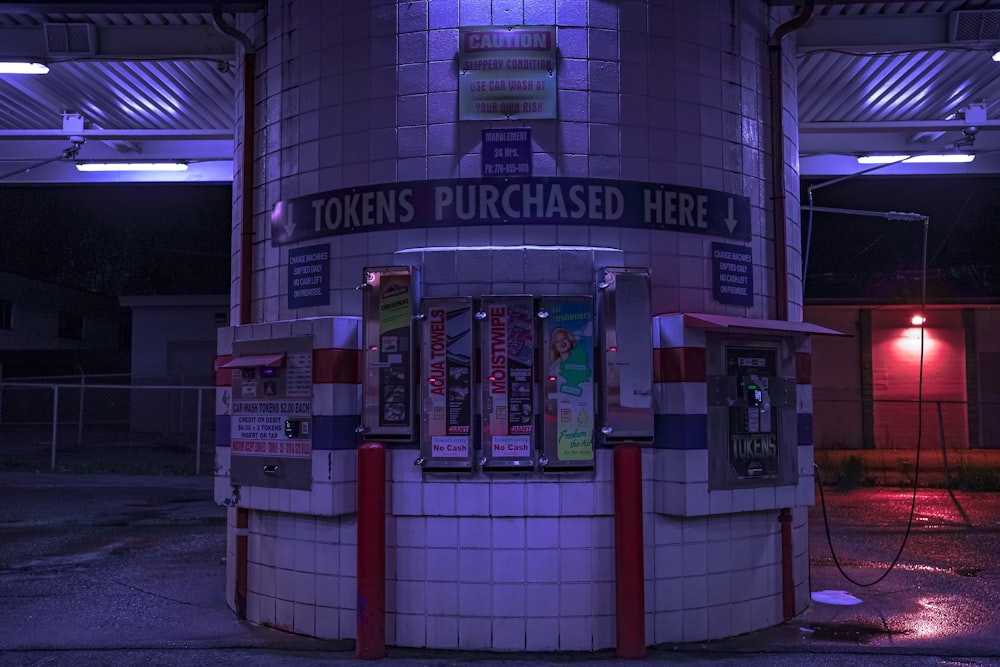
[[507, 152]]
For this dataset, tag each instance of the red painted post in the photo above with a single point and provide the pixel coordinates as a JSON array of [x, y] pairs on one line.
[[370, 644], [787, 562], [242, 558], [630, 622]]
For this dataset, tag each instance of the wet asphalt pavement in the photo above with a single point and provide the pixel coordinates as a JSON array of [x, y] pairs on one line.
[[116, 570]]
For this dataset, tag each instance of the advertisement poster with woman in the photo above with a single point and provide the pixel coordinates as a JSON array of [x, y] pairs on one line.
[[569, 364]]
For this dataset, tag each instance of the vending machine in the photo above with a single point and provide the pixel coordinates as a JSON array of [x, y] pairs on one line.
[[447, 383], [506, 335], [388, 305], [568, 376], [752, 418], [271, 425]]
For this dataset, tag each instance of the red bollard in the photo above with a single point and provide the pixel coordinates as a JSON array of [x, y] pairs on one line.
[[370, 643], [242, 561], [630, 612], [787, 563]]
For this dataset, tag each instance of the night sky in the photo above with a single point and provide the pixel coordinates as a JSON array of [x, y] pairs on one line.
[[855, 257], [119, 239]]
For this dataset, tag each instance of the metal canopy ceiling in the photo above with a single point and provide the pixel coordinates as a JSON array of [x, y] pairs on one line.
[[899, 78], [132, 85], [148, 80]]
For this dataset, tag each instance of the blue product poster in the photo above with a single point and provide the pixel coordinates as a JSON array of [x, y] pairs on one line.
[[569, 361]]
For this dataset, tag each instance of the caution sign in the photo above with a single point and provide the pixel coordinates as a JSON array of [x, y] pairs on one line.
[[507, 72]]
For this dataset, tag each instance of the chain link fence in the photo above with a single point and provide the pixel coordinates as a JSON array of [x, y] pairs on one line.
[[98, 424], [92, 425], [876, 442], [898, 424]]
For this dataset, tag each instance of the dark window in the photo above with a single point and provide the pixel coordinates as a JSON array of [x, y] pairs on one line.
[[70, 325], [6, 314]]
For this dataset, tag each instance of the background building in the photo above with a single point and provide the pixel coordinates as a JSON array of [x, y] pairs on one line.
[[50, 329]]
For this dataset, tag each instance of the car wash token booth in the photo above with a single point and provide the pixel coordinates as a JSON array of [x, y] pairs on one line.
[[506, 242]]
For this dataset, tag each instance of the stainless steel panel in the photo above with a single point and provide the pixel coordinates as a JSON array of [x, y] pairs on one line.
[[275, 472], [267, 399], [625, 350], [752, 419]]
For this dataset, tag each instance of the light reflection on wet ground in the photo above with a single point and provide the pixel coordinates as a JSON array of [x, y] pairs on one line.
[[943, 589]]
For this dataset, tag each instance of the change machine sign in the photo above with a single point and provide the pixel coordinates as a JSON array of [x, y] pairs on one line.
[[568, 371], [508, 352], [446, 396]]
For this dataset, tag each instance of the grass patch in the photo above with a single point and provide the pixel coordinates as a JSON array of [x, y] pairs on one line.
[[852, 473], [969, 477]]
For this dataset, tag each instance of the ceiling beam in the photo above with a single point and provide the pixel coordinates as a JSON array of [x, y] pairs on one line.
[[132, 7], [876, 33], [791, 3], [146, 42], [852, 127], [104, 135]]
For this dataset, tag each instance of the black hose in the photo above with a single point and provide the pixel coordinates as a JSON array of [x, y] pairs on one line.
[[67, 154], [916, 465]]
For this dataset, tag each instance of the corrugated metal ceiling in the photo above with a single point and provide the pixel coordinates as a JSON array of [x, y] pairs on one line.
[[839, 82], [917, 85], [186, 94], [122, 95], [894, 82]]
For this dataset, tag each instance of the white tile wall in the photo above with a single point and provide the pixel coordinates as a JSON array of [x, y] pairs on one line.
[[298, 572], [364, 137], [464, 553]]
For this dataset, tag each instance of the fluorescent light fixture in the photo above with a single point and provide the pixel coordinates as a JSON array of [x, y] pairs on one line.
[[131, 166], [23, 68], [881, 159], [947, 158], [942, 159], [996, 57]]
